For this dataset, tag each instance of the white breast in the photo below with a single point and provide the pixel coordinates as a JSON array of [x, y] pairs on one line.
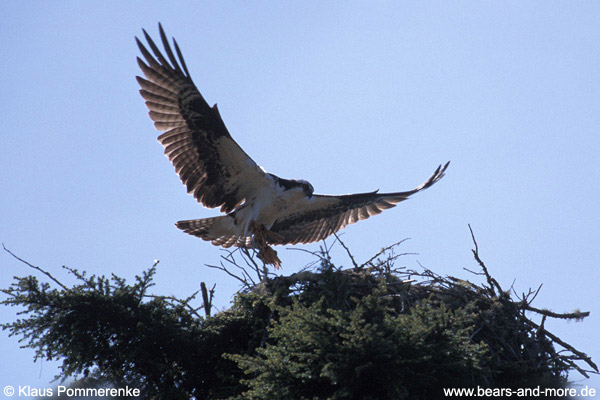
[[267, 206]]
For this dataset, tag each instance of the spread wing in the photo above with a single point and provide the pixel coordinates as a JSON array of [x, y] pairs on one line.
[[321, 216], [213, 167]]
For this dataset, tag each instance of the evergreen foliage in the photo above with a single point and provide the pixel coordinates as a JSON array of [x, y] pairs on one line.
[[368, 332]]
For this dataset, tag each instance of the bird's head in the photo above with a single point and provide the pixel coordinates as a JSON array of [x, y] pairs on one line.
[[296, 185], [307, 188]]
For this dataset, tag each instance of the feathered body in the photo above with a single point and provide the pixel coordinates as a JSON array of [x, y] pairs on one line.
[[218, 173]]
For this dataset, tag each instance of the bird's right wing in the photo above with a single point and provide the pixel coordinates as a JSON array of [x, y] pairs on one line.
[[322, 215]]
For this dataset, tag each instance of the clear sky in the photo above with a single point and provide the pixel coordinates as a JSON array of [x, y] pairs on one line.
[[351, 96]]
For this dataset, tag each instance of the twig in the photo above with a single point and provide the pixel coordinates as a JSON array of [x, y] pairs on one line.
[[382, 251], [145, 282], [314, 253], [556, 339], [577, 367], [222, 268], [249, 260], [541, 329], [491, 281], [231, 260], [343, 245], [547, 313], [175, 299], [535, 294], [473, 272], [205, 299], [35, 267], [325, 250]]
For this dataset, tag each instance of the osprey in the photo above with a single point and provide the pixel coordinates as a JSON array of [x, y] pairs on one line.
[[261, 209]]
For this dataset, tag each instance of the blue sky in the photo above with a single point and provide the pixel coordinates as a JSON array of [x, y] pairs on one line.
[[351, 96]]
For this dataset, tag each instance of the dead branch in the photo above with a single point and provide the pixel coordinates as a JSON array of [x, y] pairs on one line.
[[48, 274], [207, 301], [547, 313], [580, 355], [243, 280], [249, 260], [385, 250], [344, 246], [491, 281]]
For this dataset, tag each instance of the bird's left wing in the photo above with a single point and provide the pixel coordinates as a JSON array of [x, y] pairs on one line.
[[321, 216], [215, 169]]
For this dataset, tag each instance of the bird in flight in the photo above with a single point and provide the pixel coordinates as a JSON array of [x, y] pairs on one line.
[[260, 209]]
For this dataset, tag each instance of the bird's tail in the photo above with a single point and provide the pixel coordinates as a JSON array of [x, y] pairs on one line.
[[220, 231]]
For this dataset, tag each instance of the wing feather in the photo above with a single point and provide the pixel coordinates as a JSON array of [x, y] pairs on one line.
[[323, 215], [212, 166], [157, 99], [153, 88], [164, 108]]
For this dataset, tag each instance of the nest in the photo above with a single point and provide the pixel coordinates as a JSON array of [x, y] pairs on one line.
[[504, 323]]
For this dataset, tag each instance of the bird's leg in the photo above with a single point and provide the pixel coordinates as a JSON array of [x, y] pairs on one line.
[[262, 233], [266, 253]]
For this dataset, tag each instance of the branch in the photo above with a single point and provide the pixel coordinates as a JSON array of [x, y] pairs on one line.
[[344, 246], [229, 258], [206, 299], [176, 300], [384, 250], [35, 267], [556, 339], [491, 281], [317, 254], [547, 313], [249, 260], [222, 268]]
